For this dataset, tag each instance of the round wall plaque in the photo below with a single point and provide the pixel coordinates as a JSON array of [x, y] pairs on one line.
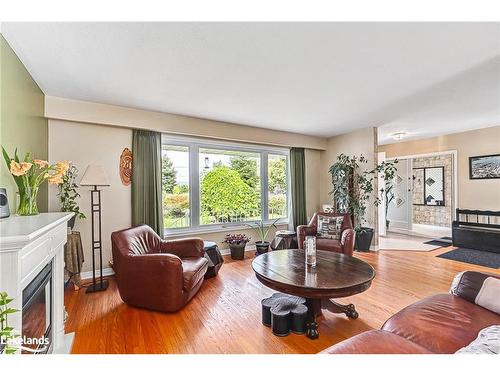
[[126, 167]]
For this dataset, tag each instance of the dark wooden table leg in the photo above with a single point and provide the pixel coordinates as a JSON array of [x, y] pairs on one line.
[[313, 310], [338, 308]]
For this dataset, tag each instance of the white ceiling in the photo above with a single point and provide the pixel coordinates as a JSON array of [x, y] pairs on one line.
[[313, 78]]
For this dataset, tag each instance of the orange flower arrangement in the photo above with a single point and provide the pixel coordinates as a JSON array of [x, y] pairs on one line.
[[29, 174]]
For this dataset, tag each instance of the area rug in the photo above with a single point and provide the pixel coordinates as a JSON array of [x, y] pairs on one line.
[[442, 242], [405, 243], [481, 258]]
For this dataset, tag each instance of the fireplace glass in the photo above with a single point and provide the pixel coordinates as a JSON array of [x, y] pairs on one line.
[[37, 312]]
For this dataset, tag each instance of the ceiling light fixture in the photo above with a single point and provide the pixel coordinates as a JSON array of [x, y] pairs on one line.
[[399, 135]]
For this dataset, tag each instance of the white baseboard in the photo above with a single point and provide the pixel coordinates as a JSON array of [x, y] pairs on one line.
[[108, 271], [105, 272], [66, 345]]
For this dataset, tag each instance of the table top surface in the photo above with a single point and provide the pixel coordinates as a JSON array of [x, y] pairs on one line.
[[335, 275]]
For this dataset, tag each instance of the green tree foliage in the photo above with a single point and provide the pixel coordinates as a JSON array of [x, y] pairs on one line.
[[175, 205], [168, 174], [277, 205], [277, 175], [247, 169], [181, 189], [225, 195]]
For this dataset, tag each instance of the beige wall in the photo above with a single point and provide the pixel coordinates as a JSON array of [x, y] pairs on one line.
[[95, 113], [473, 194], [313, 179], [22, 124], [84, 144], [88, 132], [359, 142]]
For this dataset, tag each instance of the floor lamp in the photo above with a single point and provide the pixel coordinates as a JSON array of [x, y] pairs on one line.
[[95, 176]]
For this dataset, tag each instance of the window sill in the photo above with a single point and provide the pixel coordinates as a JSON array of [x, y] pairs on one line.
[[173, 233]]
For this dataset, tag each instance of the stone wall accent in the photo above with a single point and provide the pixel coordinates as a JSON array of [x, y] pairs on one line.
[[434, 215]]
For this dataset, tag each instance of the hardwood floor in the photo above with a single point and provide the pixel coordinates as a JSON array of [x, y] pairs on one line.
[[224, 317]]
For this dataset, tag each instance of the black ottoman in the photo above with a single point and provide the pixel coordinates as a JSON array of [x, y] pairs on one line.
[[284, 314], [214, 257]]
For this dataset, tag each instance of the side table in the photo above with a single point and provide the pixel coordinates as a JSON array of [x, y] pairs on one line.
[[284, 239], [73, 258], [214, 257]]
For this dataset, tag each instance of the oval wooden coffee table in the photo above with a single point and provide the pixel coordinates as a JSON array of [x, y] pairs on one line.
[[335, 276]]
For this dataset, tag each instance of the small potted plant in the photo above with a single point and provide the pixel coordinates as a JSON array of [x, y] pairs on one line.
[[68, 195], [262, 232], [6, 333], [237, 243]]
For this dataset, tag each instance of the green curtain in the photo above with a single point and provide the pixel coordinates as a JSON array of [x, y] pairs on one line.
[[298, 176], [146, 180]]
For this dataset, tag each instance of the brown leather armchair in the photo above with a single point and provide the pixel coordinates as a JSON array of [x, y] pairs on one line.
[[157, 274], [344, 246]]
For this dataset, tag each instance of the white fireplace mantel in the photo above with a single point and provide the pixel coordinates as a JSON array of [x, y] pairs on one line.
[[27, 245]]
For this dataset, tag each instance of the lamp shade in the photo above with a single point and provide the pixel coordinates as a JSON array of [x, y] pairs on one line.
[[94, 176]]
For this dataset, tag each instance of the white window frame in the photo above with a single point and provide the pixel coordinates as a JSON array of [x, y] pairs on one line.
[[193, 145]]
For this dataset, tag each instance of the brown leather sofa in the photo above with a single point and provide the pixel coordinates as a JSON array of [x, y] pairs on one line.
[[157, 274], [344, 246], [440, 324]]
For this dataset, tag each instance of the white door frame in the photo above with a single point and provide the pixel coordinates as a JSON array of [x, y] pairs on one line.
[[409, 213], [381, 209], [454, 191]]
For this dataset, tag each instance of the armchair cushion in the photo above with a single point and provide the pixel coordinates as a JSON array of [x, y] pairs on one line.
[[330, 227], [193, 270], [330, 245]]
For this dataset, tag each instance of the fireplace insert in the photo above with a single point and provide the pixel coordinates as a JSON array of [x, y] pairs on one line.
[[37, 312]]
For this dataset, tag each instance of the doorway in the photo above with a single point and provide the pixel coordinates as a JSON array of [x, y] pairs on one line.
[[425, 195]]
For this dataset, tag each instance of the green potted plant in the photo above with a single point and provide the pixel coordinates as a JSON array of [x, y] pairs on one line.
[[7, 333], [237, 244], [262, 232], [352, 190], [68, 194]]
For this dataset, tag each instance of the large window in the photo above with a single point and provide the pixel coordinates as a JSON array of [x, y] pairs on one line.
[[277, 186], [175, 186], [208, 184], [229, 186]]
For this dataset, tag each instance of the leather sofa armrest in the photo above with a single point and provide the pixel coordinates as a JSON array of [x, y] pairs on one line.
[[303, 231], [376, 342], [347, 241], [152, 271], [480, 288], [154, 281], [183, 248]]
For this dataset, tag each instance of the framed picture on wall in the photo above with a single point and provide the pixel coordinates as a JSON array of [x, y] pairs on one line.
[[484, 167]]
